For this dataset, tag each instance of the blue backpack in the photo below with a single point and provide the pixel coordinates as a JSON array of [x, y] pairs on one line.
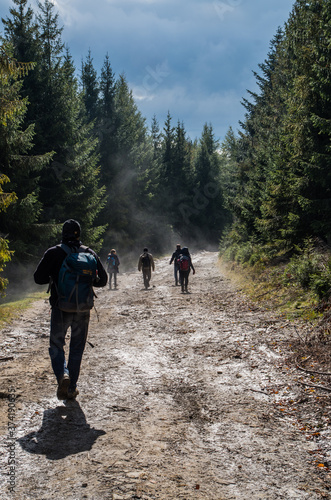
[[111, 261], [75, 283]]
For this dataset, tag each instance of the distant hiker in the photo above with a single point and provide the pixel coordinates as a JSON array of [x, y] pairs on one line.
[[60, 266], [174, 259], [112, 266], [185, 266], [146, 264]]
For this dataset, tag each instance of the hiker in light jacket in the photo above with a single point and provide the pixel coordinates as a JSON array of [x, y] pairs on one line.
[[146, 264], [112, 266]]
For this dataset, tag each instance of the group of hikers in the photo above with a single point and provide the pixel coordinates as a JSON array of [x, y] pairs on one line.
[[182, 266], [72, 270]]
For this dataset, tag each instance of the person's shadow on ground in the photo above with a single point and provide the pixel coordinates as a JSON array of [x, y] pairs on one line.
[[64, 431]]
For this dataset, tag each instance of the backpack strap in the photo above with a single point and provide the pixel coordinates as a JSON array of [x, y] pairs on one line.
[[65, 247], [68, 251]]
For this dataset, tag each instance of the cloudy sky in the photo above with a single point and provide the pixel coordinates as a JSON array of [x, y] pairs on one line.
[[193, 58]]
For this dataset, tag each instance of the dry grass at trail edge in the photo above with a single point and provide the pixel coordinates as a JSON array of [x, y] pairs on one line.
[[265, 289], [11, 309]]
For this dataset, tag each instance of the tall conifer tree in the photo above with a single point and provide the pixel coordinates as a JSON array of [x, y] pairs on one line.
[[21, 31], [21, 220], [90, 87]]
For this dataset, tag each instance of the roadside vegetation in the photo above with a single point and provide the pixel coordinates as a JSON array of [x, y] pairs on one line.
[[297, 286], [297, 289], [12, 309]]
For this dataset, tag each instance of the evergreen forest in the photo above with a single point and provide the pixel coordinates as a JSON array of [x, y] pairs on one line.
[[73, 144]]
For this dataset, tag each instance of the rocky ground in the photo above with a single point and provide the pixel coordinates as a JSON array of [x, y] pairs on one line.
[[183, 396]]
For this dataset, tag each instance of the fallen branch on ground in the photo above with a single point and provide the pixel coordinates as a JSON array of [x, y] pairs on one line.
[[315, 386], [261, 392], [309, 371], [298, 334], [312, 371], [268, 291]]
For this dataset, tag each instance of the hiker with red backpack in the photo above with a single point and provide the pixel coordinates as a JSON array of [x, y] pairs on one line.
[[72, 270], [185, 265], [146, 264], [174, 259]]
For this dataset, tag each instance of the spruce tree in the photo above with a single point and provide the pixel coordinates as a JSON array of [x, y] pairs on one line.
[[69, 186], [21, 31], [21, 221], [208, 199], [127, 170], [156, 138], [7, 110], [168, 168], [90, 87], [106, 125]]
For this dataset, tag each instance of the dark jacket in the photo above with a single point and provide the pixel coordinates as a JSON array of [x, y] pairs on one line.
[[151, 264], [49, 267], [175, 256]]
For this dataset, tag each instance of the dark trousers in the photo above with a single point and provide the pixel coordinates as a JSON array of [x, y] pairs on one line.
[[184, 279], [147, 274], [176, 271], [60, 322], [115, 278]]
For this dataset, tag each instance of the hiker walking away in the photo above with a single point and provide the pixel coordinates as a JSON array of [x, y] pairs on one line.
[[61, 264], [185, 266], [146, 264], [112, 267], [174, 259]]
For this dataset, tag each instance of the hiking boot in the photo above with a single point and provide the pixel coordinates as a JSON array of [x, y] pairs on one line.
[[62, 389], [72, 393]]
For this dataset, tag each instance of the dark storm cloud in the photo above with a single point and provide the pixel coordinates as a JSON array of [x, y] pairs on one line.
[[194, 58]]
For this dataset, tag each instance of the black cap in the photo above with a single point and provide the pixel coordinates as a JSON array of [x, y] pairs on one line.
[[145, 249], [70, 230]]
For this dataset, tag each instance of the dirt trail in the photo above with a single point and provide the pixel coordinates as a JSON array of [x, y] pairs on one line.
[[182, 397]]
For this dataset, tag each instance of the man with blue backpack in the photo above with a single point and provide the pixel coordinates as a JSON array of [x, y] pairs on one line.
[[72, 270]]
